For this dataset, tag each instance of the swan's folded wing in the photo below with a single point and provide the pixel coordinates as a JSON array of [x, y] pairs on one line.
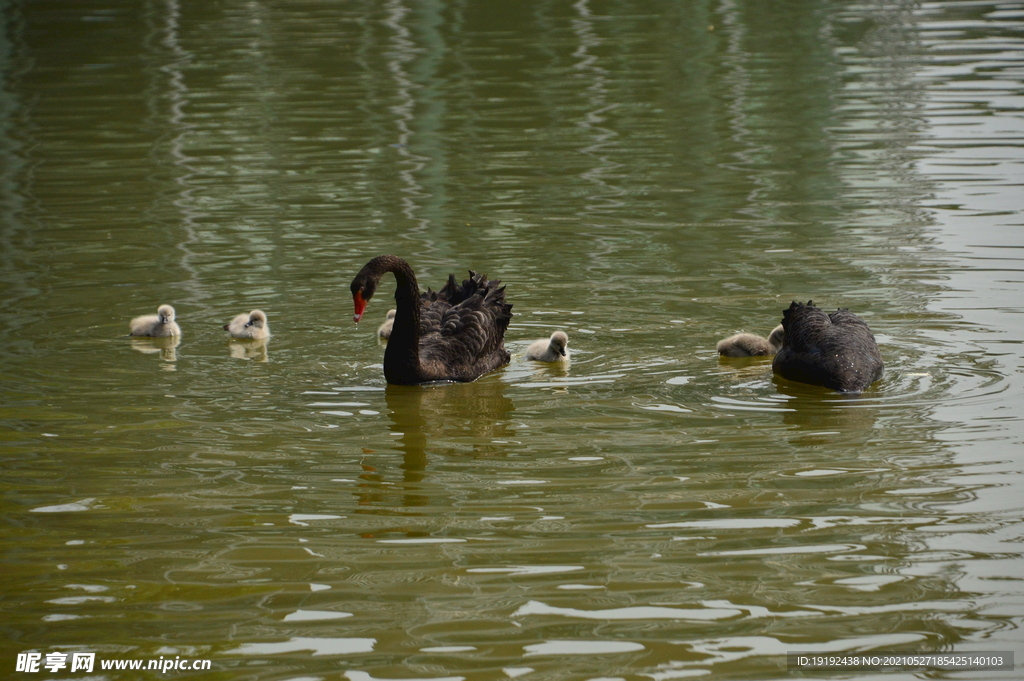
[[471, 330], [432, 310], [451, 291], [437, 303], [804, 325], [455, 293], [844, 316]]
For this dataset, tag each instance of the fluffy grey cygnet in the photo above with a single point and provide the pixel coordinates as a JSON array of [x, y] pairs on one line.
[[552, 349], [251, 326], [159, 325], [752, 345], [385, 329]]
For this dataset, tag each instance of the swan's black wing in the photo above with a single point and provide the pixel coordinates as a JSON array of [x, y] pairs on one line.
[[842, 316], [436, 303], [805, 326], [462, 328], [837, 351]]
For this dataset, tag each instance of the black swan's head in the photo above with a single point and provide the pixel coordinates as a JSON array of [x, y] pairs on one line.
[[363, 288]]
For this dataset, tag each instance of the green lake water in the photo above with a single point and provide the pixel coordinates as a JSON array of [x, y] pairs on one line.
[[649, 177]]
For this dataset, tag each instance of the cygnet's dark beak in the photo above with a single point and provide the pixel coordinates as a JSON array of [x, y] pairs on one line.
[[561, 351], [227, 327]]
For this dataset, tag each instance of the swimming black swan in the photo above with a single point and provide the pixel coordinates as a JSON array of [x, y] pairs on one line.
[[835, 350], [550, 349], [751, 345], [252, 326], [455, 334], [159, 325]]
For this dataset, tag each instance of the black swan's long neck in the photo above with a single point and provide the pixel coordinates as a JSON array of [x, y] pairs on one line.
[[402, 355]]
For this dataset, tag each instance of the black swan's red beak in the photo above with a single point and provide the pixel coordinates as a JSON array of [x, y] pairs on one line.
[[357, 298]]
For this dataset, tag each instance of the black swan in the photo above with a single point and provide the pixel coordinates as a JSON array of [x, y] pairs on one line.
[[159, 325], [550, 349], [252, 326], [384, 330], [455, 334], [751, 345], [835, 350]]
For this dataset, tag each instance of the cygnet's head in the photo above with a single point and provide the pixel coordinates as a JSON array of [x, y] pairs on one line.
[[390, 314], [166, 314], [258, 318], [776, 337], [559, 341]]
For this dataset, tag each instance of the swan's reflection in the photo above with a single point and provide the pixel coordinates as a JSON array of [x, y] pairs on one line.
[[165, 346], [847, 416], [442, 419], [449, 418], [249, 349]]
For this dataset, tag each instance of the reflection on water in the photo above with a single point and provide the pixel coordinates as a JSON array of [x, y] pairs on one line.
[[649, 183], [166, 347], [834, 415], [449, 419], [249, 349]]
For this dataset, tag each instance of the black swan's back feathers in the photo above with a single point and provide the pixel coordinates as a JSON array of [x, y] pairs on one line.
[[463, 327], [835, 350]]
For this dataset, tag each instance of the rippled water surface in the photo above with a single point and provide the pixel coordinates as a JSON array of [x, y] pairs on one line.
[[648, 177]]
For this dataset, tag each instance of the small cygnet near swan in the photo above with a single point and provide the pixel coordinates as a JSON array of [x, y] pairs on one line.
[[250, 326], [385, 329], [752, 345], [159, 325], [554, 349]]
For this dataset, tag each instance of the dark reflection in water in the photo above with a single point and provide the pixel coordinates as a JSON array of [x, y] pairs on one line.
[[450, 419], [845, 418], [429, 423]]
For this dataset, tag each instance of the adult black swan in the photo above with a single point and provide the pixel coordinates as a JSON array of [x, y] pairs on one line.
[[835, 350], [455, 334]]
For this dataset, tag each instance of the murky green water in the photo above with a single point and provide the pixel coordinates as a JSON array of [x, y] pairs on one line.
[[649, 177]]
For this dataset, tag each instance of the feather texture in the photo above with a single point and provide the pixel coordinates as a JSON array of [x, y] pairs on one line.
[[553, 349], [751, 345], [835, 350], [250, 326], [455, 334], [159, 325]]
